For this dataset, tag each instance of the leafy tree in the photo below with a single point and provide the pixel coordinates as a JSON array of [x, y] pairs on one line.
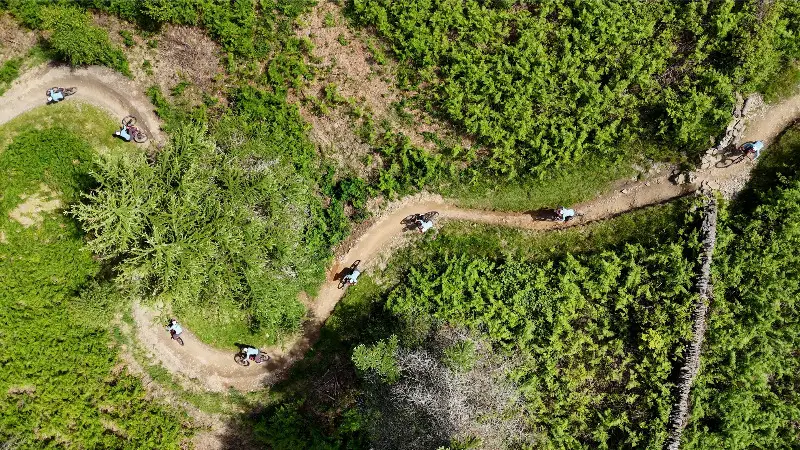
[[207, 223]]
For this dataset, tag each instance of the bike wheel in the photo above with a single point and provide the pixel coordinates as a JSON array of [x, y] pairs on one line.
[[409, 219], [241, 360], [431, 215], [180, 340], [355, 264], [263, 357], [70, 91], [128, 121], [342, 284], [139, 137]]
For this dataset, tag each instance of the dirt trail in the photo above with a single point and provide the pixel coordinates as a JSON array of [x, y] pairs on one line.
[[98, 86], [213, 369]]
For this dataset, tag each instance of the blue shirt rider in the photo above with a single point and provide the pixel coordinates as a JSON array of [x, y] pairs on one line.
[[174, 328], [250, 351], [54, 95], [352, 277], [424, 225], [754, 147], [565, 214]]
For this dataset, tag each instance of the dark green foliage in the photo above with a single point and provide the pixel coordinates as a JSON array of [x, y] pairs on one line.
[[406, 168], [127, 38], [596, 334], [70, 33], [378, 359], [61, 383], [210, 223], [9, 71], [746, 395], [548, 83]]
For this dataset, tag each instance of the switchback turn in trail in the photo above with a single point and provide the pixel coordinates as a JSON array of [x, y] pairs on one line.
[[214, 369]]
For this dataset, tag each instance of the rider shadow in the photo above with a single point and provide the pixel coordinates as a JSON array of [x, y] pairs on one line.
[[542, 214], [342, 273]]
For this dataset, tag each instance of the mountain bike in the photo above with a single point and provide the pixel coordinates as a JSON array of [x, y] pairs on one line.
[[133, 132], [733, 155], [410, 221], [258, 359]]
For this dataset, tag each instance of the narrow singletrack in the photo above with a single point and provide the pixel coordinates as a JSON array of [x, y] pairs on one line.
[[214, 369], [99, 86]]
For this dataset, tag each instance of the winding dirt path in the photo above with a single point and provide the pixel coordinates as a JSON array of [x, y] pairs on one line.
[[99, 86], [210, 368]]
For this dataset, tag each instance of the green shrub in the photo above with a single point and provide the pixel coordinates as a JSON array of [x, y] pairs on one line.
[[460, 356], [545, 86], [378, 359], [127, 38], [77, 41]]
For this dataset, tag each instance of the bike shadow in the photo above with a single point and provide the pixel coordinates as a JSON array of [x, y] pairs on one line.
[[543, 214]]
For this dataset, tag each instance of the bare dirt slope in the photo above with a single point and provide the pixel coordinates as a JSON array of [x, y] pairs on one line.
[[213, 369], [99, 86]]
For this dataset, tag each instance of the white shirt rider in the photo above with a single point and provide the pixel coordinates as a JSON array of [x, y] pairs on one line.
[[425, 225], [173, 326], [564, 213], [250, 351], [352, 277]]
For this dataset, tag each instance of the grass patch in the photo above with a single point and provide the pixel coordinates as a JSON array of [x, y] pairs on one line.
[[566, 187], [784, 84], [646, 226], [93, 125], [63, 383]]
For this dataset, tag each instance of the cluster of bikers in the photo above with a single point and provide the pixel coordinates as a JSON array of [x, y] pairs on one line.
[[421, 223]]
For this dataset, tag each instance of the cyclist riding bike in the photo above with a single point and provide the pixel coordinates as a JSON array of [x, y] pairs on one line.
[[54, 95], [754, 148], [564, 214], [352, 277], [124, 134], [424, 225], [250, 353], [174, 328]]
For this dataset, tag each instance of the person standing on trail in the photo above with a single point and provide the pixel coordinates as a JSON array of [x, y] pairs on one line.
[[174, 328], [754, 148], [565, 214]]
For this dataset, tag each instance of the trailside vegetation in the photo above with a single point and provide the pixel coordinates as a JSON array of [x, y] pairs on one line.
[[746, 394], [544, 84], [69, 33], [62, 384], [211, 221], [595, 334]]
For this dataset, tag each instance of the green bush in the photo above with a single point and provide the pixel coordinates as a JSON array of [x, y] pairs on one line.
[[208, 223], [552, 83], [746, 394], [73, 37]]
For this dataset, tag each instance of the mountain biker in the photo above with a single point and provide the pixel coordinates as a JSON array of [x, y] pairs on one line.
[[174, 328], [54, 95], [123, 133], [424, 225], [565, 214], [754, 148], [250, 353], [352, 277]]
